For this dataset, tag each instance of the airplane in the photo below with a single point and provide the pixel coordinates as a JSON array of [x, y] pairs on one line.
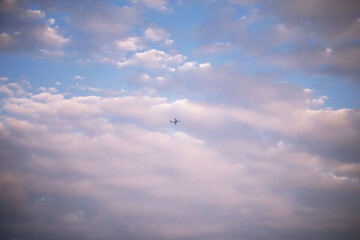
[[175, 121]]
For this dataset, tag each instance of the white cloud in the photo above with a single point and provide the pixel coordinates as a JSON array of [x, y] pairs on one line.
[[187, 66], [160, 5], [51, 21], [53, 53], [51, 37], [161, 79], [169, 42], [47, 97], [49, 90], [3, 79], [283, 30], [129, 44], [308, 91], [30, 13], [52, 90], [204, 65], [78, 77], [41, 89], [144, 77], [4, 90], [13, 88], [152, 59], [193, 65], [99, 91], [156, 35], [319, 101]]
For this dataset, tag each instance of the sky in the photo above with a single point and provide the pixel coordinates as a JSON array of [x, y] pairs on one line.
[[268, 98]]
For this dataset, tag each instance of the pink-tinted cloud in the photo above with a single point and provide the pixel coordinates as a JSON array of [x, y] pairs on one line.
[[89, 152]]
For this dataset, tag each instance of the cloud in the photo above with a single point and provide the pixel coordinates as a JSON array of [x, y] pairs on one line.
[[152, 59], [159, 5], [13, 88], [335, 31], [52, 38], [5, 41], [297, 35], [283, 109], [78, 77], [29, 30], [4, 90], [99, 91], [216, 48], [117, 163], [138, 43], [343, 14], [47, 97], [103, 22], [319, 101], [129, 44], [33, 14], [156, 35], [193, 65], [50, 89], [100, 32], [53, 53], [96, 28]]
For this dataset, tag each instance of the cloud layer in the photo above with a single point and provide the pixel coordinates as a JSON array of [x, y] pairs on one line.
[[104, 167]]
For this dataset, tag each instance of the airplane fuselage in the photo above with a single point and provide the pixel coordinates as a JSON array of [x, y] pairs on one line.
[[175, 121]]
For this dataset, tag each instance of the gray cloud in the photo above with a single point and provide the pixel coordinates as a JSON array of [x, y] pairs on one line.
[[63, 28], [327, 18], [318, 37], [27, 29]]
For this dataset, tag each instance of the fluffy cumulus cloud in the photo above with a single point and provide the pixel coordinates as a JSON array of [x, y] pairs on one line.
[[129, 44], [104, 167], [152, 58], [156, 34], [87, 150]]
